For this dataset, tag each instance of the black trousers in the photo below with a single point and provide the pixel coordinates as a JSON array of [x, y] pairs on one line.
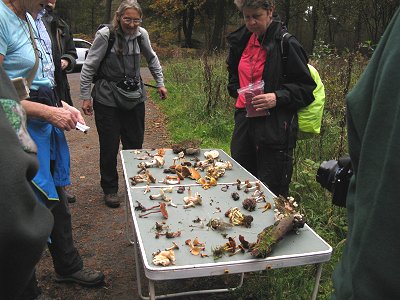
[[66, 258], [114, 126], [274, 167]]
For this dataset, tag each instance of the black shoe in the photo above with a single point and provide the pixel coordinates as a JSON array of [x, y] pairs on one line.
[[111, 200], [85, 277], [70, 197]]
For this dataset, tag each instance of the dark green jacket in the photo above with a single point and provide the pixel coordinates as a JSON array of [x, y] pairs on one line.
[[369, 268]]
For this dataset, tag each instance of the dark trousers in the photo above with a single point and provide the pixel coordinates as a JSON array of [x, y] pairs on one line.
[[66, 258], [274, 167], [115, 125]]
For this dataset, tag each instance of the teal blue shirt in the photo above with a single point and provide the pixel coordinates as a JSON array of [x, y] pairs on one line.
[[16, 47]]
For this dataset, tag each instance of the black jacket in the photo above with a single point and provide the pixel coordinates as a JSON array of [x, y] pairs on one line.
[[279, 129], [63, 47]]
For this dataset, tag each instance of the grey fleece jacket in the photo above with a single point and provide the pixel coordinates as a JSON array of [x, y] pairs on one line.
[[114, 67]]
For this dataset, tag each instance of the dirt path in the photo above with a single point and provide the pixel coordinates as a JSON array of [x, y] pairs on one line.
[[99, 232]]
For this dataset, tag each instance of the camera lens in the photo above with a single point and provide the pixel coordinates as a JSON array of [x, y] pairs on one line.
[[326, 174]]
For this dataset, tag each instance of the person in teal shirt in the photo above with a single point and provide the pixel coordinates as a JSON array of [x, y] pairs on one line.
[[369, 267], [19, 35]]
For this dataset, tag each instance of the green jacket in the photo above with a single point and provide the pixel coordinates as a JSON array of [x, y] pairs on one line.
[[369, 268]]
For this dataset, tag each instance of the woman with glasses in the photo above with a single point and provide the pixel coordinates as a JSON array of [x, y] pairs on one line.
[[118, 94], [263, 141]]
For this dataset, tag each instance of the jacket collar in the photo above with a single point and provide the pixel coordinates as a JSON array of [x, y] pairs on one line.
[[240, 37]]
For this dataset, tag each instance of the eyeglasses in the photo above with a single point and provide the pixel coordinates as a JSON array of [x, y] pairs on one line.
[[128, 21]]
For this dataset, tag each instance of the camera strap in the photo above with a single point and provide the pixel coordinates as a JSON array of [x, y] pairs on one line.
[[121, 57], [33, 71]]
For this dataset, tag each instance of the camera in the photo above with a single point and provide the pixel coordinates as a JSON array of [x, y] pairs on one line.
[[129, 84], [334, 175]]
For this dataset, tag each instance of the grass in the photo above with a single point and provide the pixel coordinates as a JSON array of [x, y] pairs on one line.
[[199, 108]]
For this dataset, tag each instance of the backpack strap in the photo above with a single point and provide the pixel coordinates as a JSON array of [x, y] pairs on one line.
[[285, 51]]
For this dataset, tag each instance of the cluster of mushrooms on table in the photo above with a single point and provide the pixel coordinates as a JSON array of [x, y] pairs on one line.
[[205, 173]]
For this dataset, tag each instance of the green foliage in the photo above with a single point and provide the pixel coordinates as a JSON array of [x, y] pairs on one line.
[[199, 108]]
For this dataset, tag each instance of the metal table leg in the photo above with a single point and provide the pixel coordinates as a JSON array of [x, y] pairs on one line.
[[317, 279]]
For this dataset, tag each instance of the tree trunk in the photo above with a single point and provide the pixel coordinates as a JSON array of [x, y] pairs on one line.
[[219, 22], [315, 13], [107, 13], [187, 25]]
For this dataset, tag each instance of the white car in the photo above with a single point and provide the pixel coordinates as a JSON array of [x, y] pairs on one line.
[[82, 48]]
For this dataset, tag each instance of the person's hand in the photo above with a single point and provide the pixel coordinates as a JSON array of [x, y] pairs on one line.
[[61, 118], [87, 107], [163, 92], [76, 113], [64, 64], [264, 101]]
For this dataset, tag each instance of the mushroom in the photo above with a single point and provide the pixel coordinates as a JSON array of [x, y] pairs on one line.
[[266, 207], [225, 188], [161, 195], [172, 179], [157, 161], [146, 190], [183, 171], [212, 154], [227, 165], [238, 218], [168, 189], [174, 246], [181, 190], [164, 258], [162, 208], [189, 205], [196, 246], [194, 174], [238, 184], [235, 196], [160, 226], [171, 235], [137, 179], [191, 200], [249, 204]]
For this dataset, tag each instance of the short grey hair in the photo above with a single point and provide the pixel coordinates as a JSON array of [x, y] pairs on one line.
[[126, 4], [266, 4]]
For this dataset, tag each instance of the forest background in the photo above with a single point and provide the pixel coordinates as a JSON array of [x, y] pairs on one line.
[[189, 37]]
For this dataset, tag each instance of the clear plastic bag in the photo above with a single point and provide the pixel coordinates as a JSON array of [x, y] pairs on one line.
[[249, 92]]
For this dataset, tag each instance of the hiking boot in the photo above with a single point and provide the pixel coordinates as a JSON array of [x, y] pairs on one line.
[[111, 200], [85, 277]]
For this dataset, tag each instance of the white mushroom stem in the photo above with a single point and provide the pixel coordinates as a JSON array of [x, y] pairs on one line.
[[174, 246], [188, 205], [168, 189], [248, 190], [146, 190], [161, 195], [170, 203]]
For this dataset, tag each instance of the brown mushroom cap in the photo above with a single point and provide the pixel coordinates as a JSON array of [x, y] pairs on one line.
[[163, 209]]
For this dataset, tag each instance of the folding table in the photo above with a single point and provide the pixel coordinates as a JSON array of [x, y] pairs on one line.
[[303, 247]]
